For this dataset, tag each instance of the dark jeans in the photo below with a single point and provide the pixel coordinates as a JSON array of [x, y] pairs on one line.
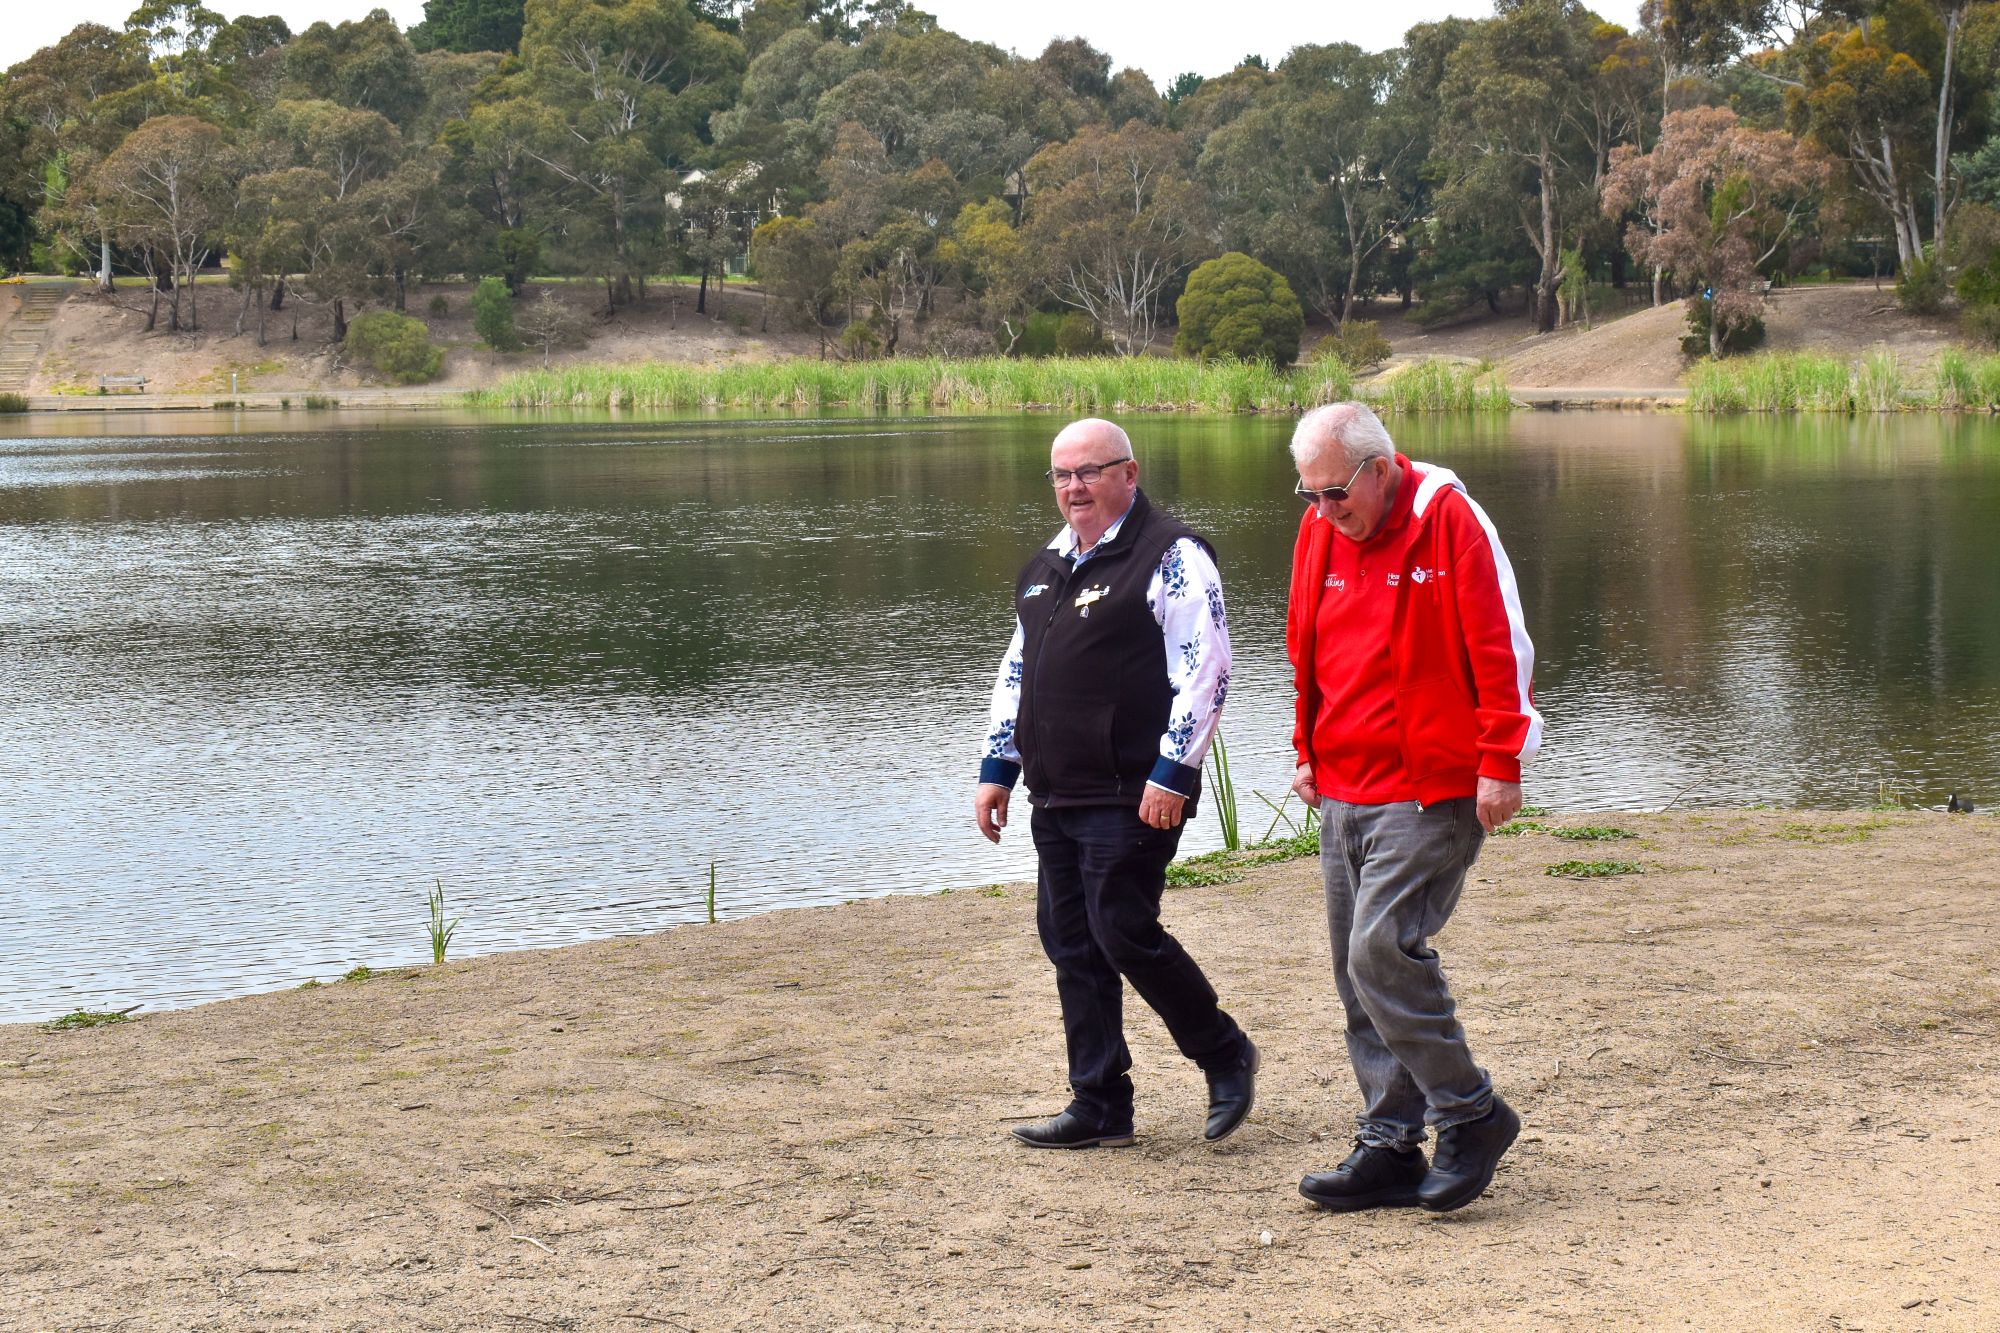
[[1098, 910]]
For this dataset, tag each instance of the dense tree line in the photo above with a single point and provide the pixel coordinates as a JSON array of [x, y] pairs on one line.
[[896, 185]]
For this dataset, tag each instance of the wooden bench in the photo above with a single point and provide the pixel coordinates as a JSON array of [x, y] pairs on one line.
[[136, 383]]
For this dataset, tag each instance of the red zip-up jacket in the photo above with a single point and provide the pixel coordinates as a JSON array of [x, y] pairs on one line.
[[1463, 662]]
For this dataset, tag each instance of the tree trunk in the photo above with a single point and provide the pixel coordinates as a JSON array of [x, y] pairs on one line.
[[402, 290], [340, 319], [701, 297], [104, 263], [1946, 113], [243, 311], [278, 294]]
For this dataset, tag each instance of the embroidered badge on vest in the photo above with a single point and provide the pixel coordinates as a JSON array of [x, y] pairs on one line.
[[1089, 595]]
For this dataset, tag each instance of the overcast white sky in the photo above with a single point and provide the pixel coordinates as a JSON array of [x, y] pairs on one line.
[[1162, 37]]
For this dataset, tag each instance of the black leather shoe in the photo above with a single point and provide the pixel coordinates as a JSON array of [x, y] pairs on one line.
[[1066, 1131], [1372, 1177], [1230, 1097], [1466, 1156]]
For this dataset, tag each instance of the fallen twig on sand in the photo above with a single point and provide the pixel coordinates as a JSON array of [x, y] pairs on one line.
[[532, 1241], [1743, 1059]]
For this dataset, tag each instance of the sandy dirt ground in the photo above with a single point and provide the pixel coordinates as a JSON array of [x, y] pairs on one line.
[[98, 336], [1759, 1081], [1639, 348]]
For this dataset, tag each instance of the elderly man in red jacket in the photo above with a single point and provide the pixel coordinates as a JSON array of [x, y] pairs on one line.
[[1415, 713]]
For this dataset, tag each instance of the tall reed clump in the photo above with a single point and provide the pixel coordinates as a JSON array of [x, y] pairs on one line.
[[440, 933], [1223, 788], [1878, 383], [988, 384], [1964, 383], [12, 404]]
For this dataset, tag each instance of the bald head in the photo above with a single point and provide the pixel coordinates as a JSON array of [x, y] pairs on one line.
[[1101, 450], [1094, 432]]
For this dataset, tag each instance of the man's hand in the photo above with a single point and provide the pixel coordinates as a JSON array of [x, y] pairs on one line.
[[1160, 808], [989, 807], [1302, 783], [1498, 802]]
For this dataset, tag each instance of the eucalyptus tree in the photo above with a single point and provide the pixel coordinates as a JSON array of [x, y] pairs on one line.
[[632, 84], [1115, 220], [367, 63], [166, 191], [1313, 177], [1510, 131]]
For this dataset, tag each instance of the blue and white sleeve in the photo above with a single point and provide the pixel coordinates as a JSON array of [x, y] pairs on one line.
[[1186, 599], [1000, 763]]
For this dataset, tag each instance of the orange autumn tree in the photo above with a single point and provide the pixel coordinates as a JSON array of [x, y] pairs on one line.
[[1717, 200]]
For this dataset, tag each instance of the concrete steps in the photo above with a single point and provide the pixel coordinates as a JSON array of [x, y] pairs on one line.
[[27, 334]]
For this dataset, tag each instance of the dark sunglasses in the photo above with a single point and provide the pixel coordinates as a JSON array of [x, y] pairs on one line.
[[1333, 493]]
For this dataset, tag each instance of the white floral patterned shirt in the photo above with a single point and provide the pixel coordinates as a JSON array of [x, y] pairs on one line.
[[1185, 597]]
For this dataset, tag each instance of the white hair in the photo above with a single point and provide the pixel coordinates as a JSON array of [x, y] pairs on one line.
[[1352, 426], [1097, 426]]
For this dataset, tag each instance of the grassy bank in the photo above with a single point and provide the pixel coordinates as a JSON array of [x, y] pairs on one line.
[[1808, 382], [1095, 384]]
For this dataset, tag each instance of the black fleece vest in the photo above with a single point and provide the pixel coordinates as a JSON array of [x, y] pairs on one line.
[[1094, 691]]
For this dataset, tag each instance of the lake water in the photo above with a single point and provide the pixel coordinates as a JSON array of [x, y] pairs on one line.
[[261, 685]]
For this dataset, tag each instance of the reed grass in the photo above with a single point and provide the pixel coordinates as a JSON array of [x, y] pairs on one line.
[[12, 404], [1808, 382], [711, 893], [439, 932], [990, 384], [1224, 791]]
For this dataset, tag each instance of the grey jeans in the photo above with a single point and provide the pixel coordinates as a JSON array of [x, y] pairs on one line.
[[1393, 874]]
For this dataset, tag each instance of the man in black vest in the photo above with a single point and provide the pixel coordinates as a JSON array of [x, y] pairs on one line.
[[1107, 700]]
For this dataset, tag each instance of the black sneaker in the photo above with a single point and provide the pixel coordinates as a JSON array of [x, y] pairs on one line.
[[1066, 1131], [1466, 1157], [1372, 1177]]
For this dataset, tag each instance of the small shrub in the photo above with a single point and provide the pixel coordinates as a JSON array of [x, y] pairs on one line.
[[395, 346], [1236, 307], [439, 307], [12, 403], [1038, 335], [1358, 346], [493, 315], [1738, 335], [860, 341], [1921, 287], [1982, 323], [1077, 334]]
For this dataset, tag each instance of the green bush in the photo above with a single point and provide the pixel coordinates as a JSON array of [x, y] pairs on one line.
[[1236, 307], [1077, 334], [1982, 322], [439, 306], [1359, 346], [12, 403], [395, 346], [1738, 335], [1920, 287], [493, 315]]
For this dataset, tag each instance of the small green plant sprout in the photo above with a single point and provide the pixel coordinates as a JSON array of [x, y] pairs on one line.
[[88, 1018], [440, 933], [1225, 794], [1592, 833], [1595, 869], [359, 972], [1293, 829], [711, 893]]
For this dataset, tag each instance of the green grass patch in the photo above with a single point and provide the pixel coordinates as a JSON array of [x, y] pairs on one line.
[[1829, 834], [1809, 382], [1592, 833], [87, 1018], [988, 384], [1594, 869], [1227, 867], [318, 403], [12, 404], [361, 972], [1514, 828]]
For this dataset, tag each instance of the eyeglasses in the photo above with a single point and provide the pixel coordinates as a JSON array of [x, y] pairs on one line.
[[1089, 474], [1333, 493]]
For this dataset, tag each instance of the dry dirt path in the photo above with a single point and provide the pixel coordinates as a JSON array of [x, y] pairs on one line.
[[1759, 1081]]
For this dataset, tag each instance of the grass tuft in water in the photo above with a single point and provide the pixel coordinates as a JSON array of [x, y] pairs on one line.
[[13, 404]]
